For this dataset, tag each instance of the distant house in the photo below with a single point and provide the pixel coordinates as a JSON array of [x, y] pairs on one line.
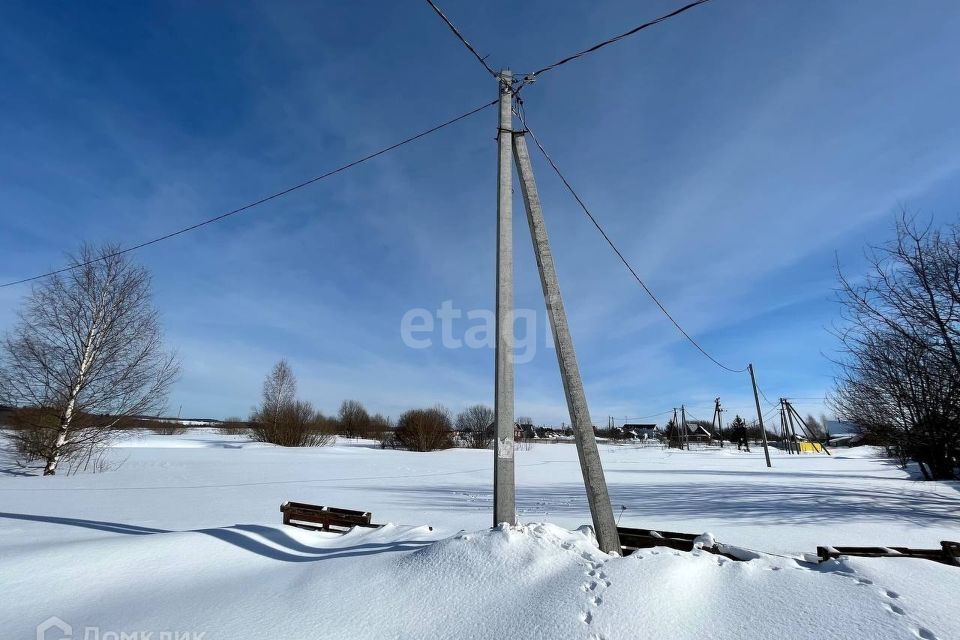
[[838, 427], [547, 432], [842, 434], [522, 431], [640, 431], [845, 440], [698, 433]]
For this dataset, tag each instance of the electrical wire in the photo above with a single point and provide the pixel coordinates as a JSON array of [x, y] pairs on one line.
[[620, 255], [462, 39], [770, 402], [256, 203], [652, 415], [614, 39]]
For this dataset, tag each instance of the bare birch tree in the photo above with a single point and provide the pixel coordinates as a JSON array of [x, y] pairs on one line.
[[86, 352], [279, 391], [283, 420]]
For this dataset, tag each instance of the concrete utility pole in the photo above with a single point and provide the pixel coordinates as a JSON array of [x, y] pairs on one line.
[[783, 428], [504, 491], [601, 510], [717, 411], [686, 429], [763, 431], [676, 430]]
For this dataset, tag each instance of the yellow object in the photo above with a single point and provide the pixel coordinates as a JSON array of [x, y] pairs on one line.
[[810, 447]]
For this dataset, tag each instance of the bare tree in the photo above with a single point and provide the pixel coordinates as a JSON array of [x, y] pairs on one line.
[[476, 425], [380, 428], [354, 419], [279, 391], [85, 353], [900, 369], [283, 420]]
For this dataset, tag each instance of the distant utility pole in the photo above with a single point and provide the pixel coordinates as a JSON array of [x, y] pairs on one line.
[[763, 431], [504, 491], [601, 510], [686, 429], [784, 439], [676, 429], [719, 419]]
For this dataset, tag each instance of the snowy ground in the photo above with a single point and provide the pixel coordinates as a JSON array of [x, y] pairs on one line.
[[185, 537]]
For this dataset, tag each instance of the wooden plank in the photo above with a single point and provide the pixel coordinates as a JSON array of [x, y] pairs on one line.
[[944, 554], [631, 540], [299, 514]]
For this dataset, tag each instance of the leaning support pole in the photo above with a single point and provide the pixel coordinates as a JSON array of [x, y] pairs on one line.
[[784, 431], [793, 432], [596, 485], [806, 429], [504, 490], [763, 431]]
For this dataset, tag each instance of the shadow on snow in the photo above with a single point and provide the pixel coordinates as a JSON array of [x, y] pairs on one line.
[[268, 542]]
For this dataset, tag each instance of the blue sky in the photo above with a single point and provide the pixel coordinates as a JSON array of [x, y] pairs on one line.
[[733, 152]]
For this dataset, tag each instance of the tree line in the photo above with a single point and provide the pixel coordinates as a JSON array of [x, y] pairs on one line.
[[283, 419]]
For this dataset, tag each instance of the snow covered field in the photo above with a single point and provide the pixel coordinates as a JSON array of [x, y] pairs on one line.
[[184, 536]]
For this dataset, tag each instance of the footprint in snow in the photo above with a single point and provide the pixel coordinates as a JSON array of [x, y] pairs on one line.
[[586, 617], [926, 634], [895, 609], [892, 594]]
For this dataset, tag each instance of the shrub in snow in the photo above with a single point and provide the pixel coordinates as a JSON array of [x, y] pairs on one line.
[[296, 424], [233, 426], [424, 430], [353, 421]]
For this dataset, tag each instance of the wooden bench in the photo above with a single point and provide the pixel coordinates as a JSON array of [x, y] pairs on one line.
[[320, 518], [948, 553], [633, 539]]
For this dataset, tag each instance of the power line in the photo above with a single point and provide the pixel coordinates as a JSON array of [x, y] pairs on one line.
[[650, 293], [262, 200], [769, 414], [770, 402], [626, 34], [652, 415], [459, 35]]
